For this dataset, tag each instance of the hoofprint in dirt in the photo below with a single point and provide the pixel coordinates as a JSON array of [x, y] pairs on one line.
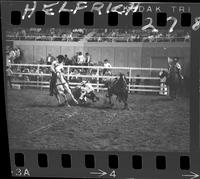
[[153, 123]]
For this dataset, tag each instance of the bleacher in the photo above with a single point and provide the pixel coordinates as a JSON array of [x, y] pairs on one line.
[[96, 35]]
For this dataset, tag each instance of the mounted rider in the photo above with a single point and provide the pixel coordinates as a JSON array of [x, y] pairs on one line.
[[178, 66], [175, 62]]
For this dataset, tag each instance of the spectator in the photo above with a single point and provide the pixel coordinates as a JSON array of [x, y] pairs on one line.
[[70, 37], [9, 74], [107, 65], [12, 55], [187, 37], [75, 74], [23, 34], [67, 60], [87, 58], [26, 77], [80, 59], [17, 55], [49, 59], [8, 61], [64, 37], [41, 61]]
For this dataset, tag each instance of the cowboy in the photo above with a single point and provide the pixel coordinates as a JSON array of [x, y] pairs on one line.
[[53, 77], [170, 61], [178, 66], [87, 89], [59, 68], [9, 74]]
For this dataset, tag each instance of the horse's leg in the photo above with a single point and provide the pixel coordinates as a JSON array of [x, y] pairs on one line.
[[58, 99], [174, 91], [70, 92], [171, 91], [65, 97], [110, 100], [93, 97], [125, 104], [125, 98], [96, 97]]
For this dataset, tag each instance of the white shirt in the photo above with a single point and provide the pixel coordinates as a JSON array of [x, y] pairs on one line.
[[88, 88], [107, 65], [49, 59], [59, 67], [81, 59], [53, 65], [178, 66]]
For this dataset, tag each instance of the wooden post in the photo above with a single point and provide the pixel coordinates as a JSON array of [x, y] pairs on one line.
[[68, 68], [97, 79], [38, 73], [129, 85], [41, 82]]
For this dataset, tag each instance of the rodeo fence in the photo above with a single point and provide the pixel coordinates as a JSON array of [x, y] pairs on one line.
[[139, 79]]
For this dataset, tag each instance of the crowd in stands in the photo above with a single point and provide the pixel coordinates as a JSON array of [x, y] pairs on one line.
[[121, 35], [46, 34], [28, 73], [77, 60], [96, 35], [13, 55]]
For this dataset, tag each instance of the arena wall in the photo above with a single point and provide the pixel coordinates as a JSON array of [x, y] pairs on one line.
[[139, 54]]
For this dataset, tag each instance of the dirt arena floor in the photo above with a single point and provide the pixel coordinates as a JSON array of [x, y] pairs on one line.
[[153, 123]]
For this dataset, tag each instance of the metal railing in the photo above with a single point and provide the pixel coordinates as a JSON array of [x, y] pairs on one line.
[[147, 83]]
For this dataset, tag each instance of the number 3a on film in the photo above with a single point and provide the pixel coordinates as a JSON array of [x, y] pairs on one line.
[[21, 172]]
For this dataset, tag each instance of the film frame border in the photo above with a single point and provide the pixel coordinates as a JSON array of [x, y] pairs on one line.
[[194, 150]]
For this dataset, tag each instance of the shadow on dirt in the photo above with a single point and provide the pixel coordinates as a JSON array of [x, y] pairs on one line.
[[161, 99], [42, 106], [93, 105], [71, 103]]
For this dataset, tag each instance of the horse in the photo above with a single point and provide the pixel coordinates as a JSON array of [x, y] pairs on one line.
[[61, 88], [173, 80], [119, 88]]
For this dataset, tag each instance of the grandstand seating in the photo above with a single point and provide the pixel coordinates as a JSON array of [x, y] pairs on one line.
[[96, 35]]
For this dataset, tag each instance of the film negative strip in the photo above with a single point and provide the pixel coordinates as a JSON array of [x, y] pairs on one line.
[[102, 89]]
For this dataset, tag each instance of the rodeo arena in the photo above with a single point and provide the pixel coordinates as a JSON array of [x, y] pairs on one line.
[[98, 89]]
